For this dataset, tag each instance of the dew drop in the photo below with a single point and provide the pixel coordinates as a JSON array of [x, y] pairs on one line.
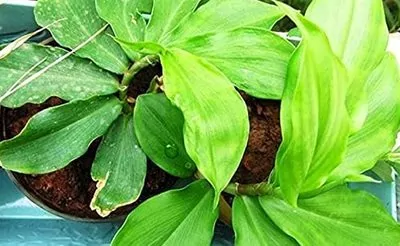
[[171, 150], [189, 165]]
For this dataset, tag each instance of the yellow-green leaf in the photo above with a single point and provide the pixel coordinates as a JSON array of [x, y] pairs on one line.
[[216, 121], [177, 217], [253, 226], [314, 119], [337, 217]]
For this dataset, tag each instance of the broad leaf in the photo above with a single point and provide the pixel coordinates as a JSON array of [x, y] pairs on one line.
[[378, 135], [337, 217], [166, 15], [159, 129], [356, 30], [177, 217], [78, 20], [315, 124], [360, 46], [56, 136], [217, 16], [260, 71], [72, 79], [216, 122], [125, 20], [253, 226], [119, 168]]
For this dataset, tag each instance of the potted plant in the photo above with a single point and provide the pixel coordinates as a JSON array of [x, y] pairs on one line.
[[339, 115]]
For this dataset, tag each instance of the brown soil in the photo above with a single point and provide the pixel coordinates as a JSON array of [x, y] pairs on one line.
[[71, 189], [264, 140]]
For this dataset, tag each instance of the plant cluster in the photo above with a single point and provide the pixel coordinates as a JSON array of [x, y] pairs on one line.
[[340, 113]]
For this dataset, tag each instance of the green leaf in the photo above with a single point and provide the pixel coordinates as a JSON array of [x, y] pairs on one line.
[[315, 124], [337, 217], [218, 16], [119, 168], [378, 135], [166, 15], [177, 217], [384, 171], [253, 226], [56, 136], [159, 129], [356, 30], [358, 35], [260, 71], [125, 20], [216, 125], [72, 79], [79, 21]]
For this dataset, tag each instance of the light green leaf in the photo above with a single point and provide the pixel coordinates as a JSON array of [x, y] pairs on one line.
[[356, 30], [337, 217], [125, 20], [216, 125], [81, 22], [358, 35], [315, 124], [145, 6], [177, 217], [217, 16], [378, 135], [119, 168], [159, 129], [260, 71], [146, 48], [253, 226], [166, 15], [56, 136], [72, 79]]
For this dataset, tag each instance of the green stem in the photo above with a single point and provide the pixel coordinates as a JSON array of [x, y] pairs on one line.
[[259, 189], [132, 71]]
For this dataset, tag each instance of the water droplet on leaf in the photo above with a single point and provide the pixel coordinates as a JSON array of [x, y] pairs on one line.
[[189, 165], [171, 150]]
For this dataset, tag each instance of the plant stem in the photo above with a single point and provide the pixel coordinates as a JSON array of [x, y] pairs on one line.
[[259, 189], [133, 70], [225, 211]]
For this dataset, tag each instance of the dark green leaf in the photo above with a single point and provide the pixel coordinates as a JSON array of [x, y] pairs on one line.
[[216, 125], [125, 20], [119, 168], [217, 16], [56, 136], [177, 217], [378, 135], [260, 71], [159, 129], [384, 171], [337, 217], [72, 79], [253, 226], [78, 20], [315, 124], [166, 16]]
